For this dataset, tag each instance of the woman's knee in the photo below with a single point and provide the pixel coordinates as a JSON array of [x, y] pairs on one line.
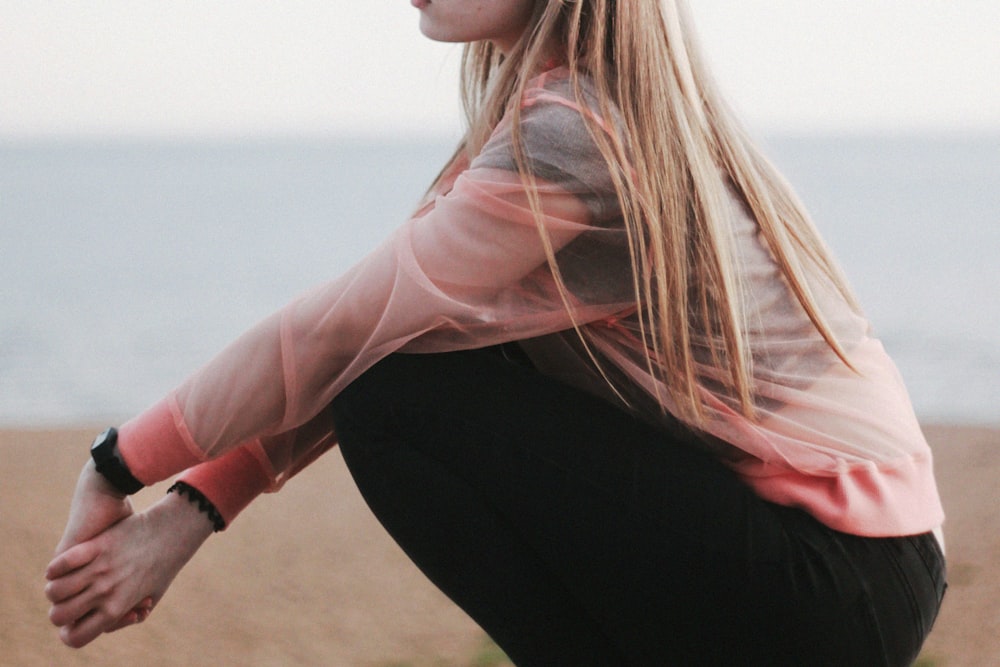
[[379, 406], [413, 380], [373, 390]]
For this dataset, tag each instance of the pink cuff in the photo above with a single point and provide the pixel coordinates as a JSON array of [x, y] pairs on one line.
[[231, 481], [153, 446]]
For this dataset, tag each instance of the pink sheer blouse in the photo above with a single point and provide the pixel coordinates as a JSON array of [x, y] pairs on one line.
[[469, 270]]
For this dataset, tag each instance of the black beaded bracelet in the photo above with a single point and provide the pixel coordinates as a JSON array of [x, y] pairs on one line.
[[204, 504]]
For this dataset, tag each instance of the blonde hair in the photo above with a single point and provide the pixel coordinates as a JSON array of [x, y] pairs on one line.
[[681, 145]]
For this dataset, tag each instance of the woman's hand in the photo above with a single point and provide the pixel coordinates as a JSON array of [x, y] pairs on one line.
[[96, 506], [116, 578]]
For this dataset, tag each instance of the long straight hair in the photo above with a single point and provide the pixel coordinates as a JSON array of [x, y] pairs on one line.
[[677, 152]]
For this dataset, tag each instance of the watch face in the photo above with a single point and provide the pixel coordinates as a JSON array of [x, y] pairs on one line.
[[102, 438]]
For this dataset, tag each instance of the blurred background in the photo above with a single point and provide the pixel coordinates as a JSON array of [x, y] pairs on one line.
[[171, 173]]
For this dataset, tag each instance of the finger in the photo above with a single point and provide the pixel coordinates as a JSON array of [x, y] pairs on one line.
[[138, 614], [84, 631], [72, 611], [89, 626], [128, 619], [63, 588], [95, 595], [72, 559]]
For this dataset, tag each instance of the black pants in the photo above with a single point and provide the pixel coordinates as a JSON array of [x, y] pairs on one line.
[[577, 535]]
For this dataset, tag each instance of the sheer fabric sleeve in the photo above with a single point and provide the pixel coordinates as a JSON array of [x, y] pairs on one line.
[[469, 271]]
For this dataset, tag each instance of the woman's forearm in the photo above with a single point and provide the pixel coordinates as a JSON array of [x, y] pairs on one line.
[[177, 515]]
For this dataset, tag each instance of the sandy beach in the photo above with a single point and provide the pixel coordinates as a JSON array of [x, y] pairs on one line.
[[307, 576]]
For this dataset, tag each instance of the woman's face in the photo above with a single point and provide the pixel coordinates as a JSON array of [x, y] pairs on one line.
[[499, 21]]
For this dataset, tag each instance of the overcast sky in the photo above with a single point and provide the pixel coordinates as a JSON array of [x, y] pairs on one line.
[[204, 67]]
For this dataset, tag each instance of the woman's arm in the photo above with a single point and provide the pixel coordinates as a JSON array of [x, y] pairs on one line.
[[470, 273], [470, 270]]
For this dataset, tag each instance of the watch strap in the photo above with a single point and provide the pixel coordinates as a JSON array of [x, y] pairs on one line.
[[110, 463]]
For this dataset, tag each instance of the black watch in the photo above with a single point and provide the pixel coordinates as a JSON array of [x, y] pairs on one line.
[[109, 463]]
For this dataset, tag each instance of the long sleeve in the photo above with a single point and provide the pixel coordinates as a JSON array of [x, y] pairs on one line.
[[469, 270]]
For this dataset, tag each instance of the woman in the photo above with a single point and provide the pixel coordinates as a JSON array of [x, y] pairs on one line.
[[607, 387]]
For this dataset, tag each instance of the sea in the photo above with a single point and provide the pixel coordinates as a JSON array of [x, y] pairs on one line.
[[127, 263]]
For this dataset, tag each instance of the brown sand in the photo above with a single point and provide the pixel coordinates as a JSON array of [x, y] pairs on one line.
[[307, 576]]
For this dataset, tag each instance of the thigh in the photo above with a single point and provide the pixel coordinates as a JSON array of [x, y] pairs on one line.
[[474, 554], [656, 540]]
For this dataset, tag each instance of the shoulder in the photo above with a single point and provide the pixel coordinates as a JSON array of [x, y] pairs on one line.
[[558, 140], [556, 120], [556, 93]]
